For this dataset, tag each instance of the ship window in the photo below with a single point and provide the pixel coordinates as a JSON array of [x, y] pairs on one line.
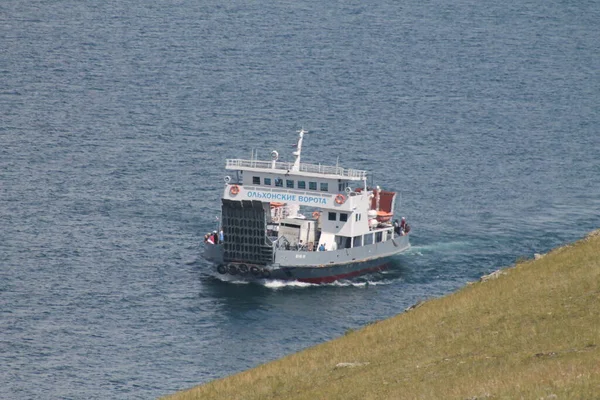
[[312, 185], [378, 237], [368, 239], [357, 218], [289, 183], [332, 216], [279, 182], [343, 217], [268, 181], [343, 242], [324, 187], [256, 180], [357, 241], [301, 185]]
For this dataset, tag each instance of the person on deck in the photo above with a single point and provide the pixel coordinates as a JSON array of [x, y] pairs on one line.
[[322, 247], [396, 227], [401, 227]]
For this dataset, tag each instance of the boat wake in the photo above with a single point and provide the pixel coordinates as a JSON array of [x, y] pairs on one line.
[[420, 250], [277, 284]]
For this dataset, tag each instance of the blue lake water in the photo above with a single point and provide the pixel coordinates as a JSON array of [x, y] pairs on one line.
[[116, 118]]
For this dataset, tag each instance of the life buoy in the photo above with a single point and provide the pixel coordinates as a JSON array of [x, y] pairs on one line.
[[316, 215], [235, 189], [222, 269], [340, 199], [233, 269]]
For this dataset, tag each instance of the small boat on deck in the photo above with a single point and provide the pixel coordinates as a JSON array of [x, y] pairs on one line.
[[306, 222]]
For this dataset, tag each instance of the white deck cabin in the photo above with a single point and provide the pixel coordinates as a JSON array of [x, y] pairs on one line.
[[328, 193]]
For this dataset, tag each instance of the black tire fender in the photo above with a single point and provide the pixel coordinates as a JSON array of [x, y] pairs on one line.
[[222, 269], [243, 268]]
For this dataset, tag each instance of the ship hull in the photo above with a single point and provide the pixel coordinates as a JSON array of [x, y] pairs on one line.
[[314, 267], [330, 274]]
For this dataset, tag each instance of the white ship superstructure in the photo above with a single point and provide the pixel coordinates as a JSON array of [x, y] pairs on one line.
[[309, 222]]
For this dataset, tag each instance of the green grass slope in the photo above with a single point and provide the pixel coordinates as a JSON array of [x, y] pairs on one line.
[[531, 331]]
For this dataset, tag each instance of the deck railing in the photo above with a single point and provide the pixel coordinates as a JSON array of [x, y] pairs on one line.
[[287, 166]]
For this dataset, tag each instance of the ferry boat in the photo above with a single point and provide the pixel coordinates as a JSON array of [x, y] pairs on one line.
[[306, 222]]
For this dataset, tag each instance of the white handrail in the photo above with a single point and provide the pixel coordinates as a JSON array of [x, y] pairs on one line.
[[286, 166]]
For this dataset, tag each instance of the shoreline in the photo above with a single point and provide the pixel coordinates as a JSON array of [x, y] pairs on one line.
[[526, 330]]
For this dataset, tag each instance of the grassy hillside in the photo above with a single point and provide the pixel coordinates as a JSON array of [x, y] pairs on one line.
[[531, 331]]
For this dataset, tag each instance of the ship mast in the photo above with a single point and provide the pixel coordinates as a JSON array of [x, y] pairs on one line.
[[294, 208], [296, 166]]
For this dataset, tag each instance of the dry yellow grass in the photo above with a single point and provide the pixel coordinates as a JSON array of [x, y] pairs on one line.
[[531, 333]]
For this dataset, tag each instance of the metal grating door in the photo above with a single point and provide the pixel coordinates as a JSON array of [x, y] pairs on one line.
[[244, 229]]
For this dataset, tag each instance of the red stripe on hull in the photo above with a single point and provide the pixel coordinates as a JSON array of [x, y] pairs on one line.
[[333, 278]]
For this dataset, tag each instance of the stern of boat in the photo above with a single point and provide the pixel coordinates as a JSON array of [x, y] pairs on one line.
[[213, 252]]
